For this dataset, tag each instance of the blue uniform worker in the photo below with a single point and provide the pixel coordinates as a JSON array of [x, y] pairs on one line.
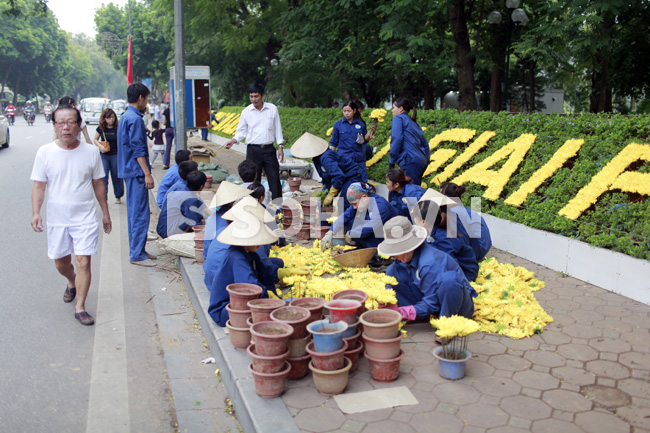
[[170, 178], [408, 147], [179, 208], [458, 248], [406, 199], [238, 266], [363, 232], [337, 171], [132, 144], [346, 136], [474, 226]]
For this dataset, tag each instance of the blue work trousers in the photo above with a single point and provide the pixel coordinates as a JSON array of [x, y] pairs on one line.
[[137, 211], [414, 171], [169, 139], [110, 168]]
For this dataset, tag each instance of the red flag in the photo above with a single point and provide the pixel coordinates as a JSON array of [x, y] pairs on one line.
[[129, 73]]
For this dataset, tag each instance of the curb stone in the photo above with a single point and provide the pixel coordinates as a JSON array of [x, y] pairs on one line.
[[255, 414]]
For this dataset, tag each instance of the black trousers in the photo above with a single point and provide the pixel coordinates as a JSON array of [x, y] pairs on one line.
[[266, 159]]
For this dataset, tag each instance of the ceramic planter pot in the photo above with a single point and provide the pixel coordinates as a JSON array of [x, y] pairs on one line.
[[299, 367], [239, 337], [452, 369], [298, 346], [384, 370], [297, 317], [261, 308], [328, 337], [294, 184], [380, 324], [303, 233], [355, 294], [198, 254], [331, 382], [208, 181], [352, 329], [327, 361], [266, 364], [386, 348], [353, 355], [270, 385], [241, 293], [314, 305], [321, 231], [199, 232], [353, 339], [271, 338], [238, 318], [343, 310]]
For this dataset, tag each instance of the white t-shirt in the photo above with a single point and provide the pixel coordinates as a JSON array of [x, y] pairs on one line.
[[69, 175]]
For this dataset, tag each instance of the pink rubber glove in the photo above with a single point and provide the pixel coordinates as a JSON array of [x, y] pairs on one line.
[[408, 312]]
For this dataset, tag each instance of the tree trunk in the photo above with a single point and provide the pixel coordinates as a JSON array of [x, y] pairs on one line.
[[464, 59], [496, 92], [601, 93], [427, 88], [531, 76]]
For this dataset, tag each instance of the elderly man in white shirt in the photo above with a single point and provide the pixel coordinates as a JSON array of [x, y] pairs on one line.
[[260, 126]]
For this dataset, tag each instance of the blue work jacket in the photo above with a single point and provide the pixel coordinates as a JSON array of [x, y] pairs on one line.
[[366, 232], [179, 212], [457, 247], [335, 170], [474, 226], [433, 283], [170, 178], [406, 199], [238, 267], [344, 137], [132, 144], [213, 249], [407, 143]]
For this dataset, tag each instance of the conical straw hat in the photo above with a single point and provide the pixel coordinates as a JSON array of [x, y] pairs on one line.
[[227, 193], [248, 228], [438, 198], [242, 206], [308, 146]]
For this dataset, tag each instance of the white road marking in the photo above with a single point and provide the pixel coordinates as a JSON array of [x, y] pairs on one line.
[[108, 406]]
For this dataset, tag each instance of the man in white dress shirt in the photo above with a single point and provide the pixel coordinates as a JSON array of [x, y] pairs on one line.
[[259, 125]]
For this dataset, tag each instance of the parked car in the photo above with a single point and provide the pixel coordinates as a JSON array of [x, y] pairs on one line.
[[4, 131], [91, 109], [119, 106]]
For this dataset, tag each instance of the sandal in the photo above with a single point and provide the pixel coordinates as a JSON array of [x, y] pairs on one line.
[[84, 318], [69, 294]]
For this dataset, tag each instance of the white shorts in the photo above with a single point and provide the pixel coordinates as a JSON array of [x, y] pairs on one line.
[[80, 240]]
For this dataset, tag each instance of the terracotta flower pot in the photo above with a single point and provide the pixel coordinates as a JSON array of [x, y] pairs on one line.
[[314, 305], [384, 370], [199, 232], [241, 293], [382, 323], [355, 294], [271, 337], [303, 233], [353, 355], [353, 339], [386, 348], [198, 254], [321, 231], [270, 385], [266, 364], [309, 206], [297, 317], [238, 318], [327, 361], [294, 184], [262, 308], [298, 346], [343, 309], [208, 181], [352, 329], [299, 367], [331, 382], [239, 337]]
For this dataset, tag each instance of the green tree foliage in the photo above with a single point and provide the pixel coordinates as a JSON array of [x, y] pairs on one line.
[[91, 73]]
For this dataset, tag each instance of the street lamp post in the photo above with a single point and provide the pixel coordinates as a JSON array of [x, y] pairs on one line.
[[518, 17]]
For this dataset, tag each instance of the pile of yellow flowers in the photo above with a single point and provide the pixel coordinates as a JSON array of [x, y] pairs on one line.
[[379, 114], [454, 326], [506, 304], [313, 259]]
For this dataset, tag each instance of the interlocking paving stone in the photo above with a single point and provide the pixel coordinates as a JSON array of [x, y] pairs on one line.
[[509, 362], [582, 331], [372, 415], [319, 419], [387, 426], [303, 397], [526, 407], [475, 368], [611, 311], [607, 356], [530, 392], [635, 360], [492, 400], [637, 416], [447, 408], [601, 422], [472, 429], [574, 375], [498, 386], [508, 429], [563, 415], [607, 369], [436, 422], [400, 416], [456, 393], [520, 422], [355, 385], [556, 426], [613, 324], [353, 426], [606, 396], [531, 343], [605, 382], [487, 347], [580, 352], [426, 403], [482, 415], [535, 380], [548, 359], [567, 400], [586, 317], [609, 345], [640, 341], [635, 387]]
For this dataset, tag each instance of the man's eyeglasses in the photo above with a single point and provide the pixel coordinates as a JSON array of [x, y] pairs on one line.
[[68, 122]]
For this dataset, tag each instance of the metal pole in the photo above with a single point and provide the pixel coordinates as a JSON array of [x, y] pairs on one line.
[[179, 77]]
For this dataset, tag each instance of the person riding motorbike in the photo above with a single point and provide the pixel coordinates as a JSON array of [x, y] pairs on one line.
[[47, 111], [10, 112], [29, 112]]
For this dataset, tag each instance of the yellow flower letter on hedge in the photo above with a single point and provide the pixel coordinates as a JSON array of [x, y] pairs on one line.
[[459, 135], [568, 150], [497, 180], [439, 157], [471, 150], [612, 177]]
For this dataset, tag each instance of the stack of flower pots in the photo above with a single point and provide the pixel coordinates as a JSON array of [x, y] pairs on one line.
[[353, 335], [269, 355], [382, 340], [310, 219], [328, 364], [239, 313], [297, 318], [290, 212], [199, 234]]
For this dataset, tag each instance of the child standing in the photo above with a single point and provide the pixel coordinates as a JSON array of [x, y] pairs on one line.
[[157, 136]]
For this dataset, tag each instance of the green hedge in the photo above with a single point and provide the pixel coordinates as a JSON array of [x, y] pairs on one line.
[[618, 221]]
